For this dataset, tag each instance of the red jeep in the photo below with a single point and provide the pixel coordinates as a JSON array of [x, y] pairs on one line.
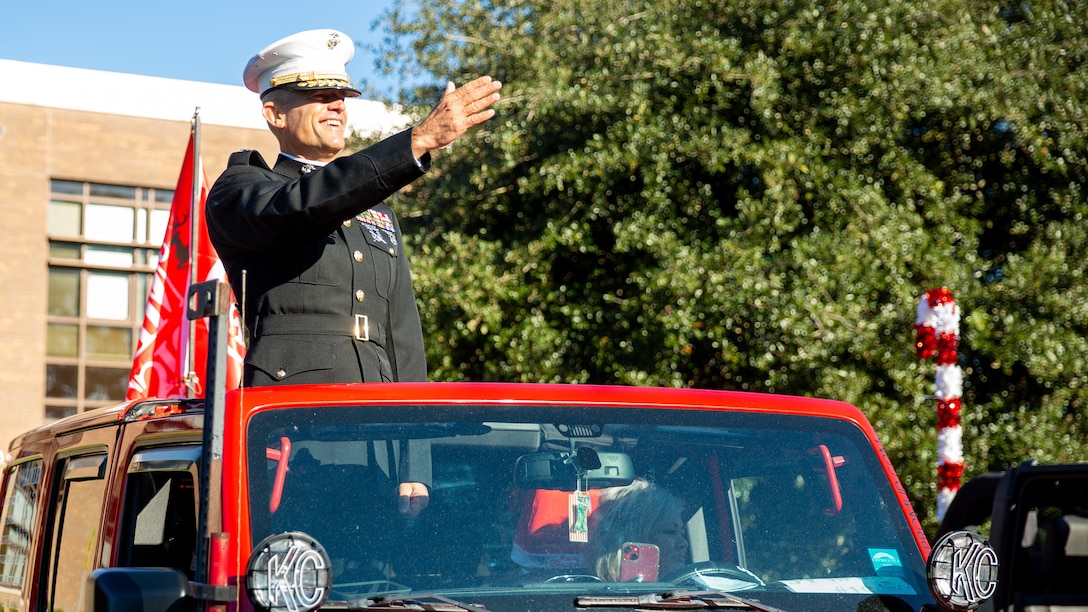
[[786, 503]]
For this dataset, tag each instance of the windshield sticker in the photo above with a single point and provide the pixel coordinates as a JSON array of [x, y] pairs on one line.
[[859, 585], [886, 561]]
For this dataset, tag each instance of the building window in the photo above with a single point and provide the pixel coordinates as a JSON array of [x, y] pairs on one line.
[[103, 247]]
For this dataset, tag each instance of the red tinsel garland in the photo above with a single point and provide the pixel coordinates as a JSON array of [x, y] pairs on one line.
[[949, 476], [936, 336], [948, 413]]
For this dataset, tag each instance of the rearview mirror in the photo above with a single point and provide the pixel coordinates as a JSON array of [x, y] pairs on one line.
[[560, 471]]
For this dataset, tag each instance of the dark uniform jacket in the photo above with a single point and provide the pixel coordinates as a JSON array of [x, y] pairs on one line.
[[327, 289]]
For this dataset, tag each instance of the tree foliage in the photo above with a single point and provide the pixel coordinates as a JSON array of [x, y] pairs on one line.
[[753, 194]]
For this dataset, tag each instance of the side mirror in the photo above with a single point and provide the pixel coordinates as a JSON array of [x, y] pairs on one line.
[[122, 589], [962, 570]]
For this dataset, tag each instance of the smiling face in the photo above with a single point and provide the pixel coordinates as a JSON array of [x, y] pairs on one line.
[[308, 124]]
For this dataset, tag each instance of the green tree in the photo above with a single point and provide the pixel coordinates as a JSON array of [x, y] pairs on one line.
[[753, 195]]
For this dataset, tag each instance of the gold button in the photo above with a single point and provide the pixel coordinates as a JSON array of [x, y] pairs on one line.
[[358, 255], [392, 251], [359, 295], [280, 373], [347, 223]]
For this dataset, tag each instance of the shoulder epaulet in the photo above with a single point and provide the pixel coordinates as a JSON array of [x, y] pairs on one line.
[[247, 157]]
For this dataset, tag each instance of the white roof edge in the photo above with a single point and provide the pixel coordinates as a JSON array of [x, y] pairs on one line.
[[134, 95]]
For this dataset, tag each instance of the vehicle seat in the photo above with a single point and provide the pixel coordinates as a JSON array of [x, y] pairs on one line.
[[542, 537], [1065, 554], [357, 528]]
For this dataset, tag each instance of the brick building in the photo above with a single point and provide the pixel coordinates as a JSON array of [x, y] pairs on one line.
[[88, 164]]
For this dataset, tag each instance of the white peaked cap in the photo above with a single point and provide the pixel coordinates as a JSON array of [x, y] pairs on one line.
[[314, 59]]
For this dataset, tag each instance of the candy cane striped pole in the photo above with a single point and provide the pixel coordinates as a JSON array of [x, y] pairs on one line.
[[937, 335]]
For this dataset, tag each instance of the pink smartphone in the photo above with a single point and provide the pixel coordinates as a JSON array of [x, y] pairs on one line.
[[638, 562]]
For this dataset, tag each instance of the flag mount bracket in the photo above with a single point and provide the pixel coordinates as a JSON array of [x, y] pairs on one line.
[[207, 299]]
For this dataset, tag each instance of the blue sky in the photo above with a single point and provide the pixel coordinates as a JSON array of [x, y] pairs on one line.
[[198, 40]]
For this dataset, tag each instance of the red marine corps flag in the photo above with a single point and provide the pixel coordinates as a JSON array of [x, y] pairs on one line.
[[171, 357]]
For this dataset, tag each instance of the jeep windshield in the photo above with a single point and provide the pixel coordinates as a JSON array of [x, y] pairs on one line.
[[791, 512]]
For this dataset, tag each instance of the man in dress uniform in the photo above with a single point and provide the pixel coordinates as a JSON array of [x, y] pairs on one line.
[[308, 244]]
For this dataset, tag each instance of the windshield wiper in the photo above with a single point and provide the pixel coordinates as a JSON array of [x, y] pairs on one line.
[[425, 602], [673, 600]]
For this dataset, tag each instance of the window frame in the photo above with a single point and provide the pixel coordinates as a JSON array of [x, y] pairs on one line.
[[86, 465], [176, 459]]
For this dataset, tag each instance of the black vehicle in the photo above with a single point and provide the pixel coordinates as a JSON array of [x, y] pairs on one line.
[[1038, 518]]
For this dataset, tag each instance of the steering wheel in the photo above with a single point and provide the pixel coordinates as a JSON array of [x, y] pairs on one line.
[[689, 574], [573, 578]]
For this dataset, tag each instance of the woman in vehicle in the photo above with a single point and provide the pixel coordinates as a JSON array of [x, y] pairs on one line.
[[639, 512]]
